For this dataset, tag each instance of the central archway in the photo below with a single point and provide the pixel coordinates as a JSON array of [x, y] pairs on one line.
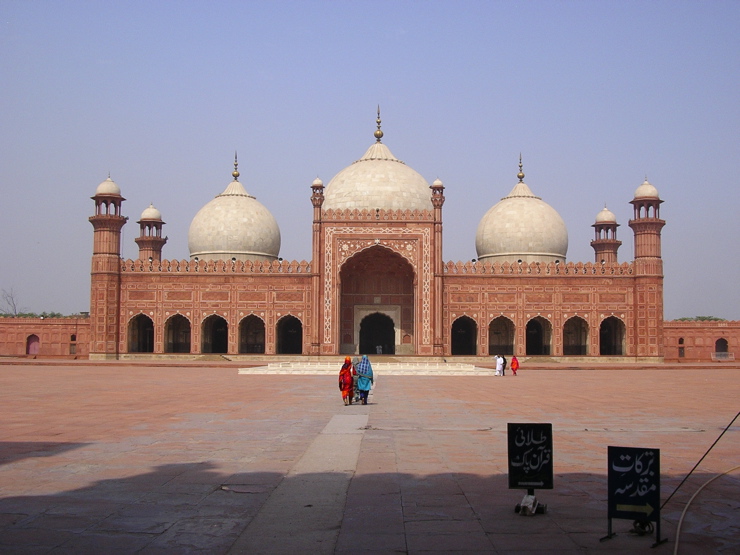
[[377, 335], [377, 281]]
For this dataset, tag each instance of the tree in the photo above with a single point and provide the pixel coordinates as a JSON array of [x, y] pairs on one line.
[[701, 319], [10, 303]]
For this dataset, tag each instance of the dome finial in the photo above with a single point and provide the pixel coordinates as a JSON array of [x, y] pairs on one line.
[[378, 133], [235, 173], [520, 175]]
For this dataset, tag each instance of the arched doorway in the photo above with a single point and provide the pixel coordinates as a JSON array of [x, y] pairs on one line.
[[575, 337], [501, 336], [539, 335], [289, 336], [177, 334], [611, 337], [377, 335], [215, 335], [33, 345], [376, 280], [141, 334], [721, 345], [251, 335], [464, 335]]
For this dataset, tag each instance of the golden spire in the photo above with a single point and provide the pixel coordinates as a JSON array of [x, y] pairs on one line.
[[378, 133], [520, 175], [235, 173]]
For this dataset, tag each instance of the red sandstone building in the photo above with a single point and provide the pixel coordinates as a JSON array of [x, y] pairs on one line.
[[376, 281]]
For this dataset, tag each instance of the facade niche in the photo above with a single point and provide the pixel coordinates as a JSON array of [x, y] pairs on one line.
[[177, 334], [501, 336], [575, 337], [289, 336], [251, 335], [141, 334], [464, 336], [215, 335], [611, 336]]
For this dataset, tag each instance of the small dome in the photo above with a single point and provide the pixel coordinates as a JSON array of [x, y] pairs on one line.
[[521, 227], [378, 180], [317, 182], [606, 216], [151, 213], [437, 183], [108, 187], [234, 225], [646, 190]]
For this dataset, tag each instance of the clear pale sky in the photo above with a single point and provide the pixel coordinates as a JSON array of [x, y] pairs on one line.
[[595, 95]]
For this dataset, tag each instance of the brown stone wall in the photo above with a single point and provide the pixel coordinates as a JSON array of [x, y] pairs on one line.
[[695, 341], [57, 337]]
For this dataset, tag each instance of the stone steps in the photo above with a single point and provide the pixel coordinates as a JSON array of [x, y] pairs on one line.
[[379, 368]]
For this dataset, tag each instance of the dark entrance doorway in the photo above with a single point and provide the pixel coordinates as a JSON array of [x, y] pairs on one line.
[[177, 335], [215, 335], [501, 336], [575, 337], [141, 334], [538, 336], [289, 336], [611, 337], [377, 335], [464, 333], [252, 335]]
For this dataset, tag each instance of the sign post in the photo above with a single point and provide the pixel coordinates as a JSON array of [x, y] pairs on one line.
[[634, 488], [530, 462]]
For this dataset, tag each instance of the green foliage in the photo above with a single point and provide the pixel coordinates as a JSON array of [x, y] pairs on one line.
[[700, 319]]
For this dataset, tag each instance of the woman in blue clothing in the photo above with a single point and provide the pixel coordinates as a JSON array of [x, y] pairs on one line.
[[365, 378]]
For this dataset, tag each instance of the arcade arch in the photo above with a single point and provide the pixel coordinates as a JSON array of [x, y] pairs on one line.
[[463, 339], [215, 335], [289, 336], [539, 336], [611, 336], [252, 335], [501, 336], [575, 337], [177, 334], [141, 334]]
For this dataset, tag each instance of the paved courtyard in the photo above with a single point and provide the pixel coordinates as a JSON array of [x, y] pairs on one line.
[[127, 458]]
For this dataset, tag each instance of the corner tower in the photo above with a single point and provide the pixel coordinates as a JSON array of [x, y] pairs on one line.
[[648, 298], [105, 275], [605, 243], [150, 238]]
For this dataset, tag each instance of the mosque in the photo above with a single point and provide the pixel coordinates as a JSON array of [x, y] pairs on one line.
[[376, 281]]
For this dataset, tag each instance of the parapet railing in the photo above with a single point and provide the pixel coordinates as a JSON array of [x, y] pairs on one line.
[[217, 266], [538, 268]]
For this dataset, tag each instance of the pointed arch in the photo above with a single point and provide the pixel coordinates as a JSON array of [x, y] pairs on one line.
[[289, 336], [252, 335], [721, 345], [539, 336], [215, 335], [177, 334], [377, 335], [575, 337], [463, 336], [33, 344], [501, 333], [611, 336], [141, 334]]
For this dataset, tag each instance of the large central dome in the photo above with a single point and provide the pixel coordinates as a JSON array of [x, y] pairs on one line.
[[522, 228], [378, 180]]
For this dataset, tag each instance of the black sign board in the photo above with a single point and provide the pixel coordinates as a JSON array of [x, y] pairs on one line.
[[530, 456], [634, 483]]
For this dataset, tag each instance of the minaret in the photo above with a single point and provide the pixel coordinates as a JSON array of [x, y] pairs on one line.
[[105, 298], [648, 298], [647, 226], [605, 243], [317, 263], [150, 238]]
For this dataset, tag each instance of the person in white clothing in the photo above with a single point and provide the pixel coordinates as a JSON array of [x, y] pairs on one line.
[[499, 365]]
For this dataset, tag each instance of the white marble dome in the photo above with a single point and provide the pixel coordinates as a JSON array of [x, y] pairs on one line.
[[378, 180], [646, 190], [521, 227], [108, 187], [234, 225], [151, 213], [606, 216]]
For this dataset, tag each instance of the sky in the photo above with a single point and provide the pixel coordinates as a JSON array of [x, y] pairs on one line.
[[596, 96]]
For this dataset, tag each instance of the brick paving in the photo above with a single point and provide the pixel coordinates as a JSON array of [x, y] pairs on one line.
[[130, 458]]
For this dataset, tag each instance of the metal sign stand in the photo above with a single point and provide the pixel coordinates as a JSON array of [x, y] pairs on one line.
[[634, 489]]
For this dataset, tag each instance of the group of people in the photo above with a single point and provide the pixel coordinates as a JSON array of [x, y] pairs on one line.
[[501, 363], [355, 380]]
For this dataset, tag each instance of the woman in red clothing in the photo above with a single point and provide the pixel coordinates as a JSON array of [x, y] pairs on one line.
[[346, 385]]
